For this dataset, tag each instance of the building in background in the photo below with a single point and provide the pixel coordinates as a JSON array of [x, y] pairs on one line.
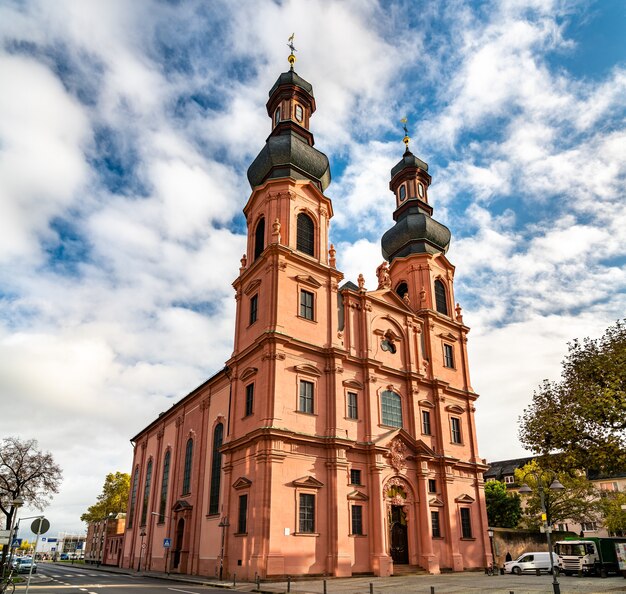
[[339, 438], [103, 545]]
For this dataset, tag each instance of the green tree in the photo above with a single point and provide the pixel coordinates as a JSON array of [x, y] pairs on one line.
[[577, 502], [583, 416], [504, 510], [614, 515], [112, 500]]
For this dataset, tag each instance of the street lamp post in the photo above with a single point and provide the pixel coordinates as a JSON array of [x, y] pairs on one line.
[[223, 525], [167, 549], [143, 535], [555, 485], [493, 557], [15, 505]]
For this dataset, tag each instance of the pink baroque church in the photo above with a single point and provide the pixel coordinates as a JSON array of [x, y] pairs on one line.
[[339, 438]]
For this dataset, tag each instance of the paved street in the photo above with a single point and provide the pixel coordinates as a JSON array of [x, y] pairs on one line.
[[66, 579]]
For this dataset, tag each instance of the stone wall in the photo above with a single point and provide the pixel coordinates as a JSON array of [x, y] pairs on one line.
[[517, 542]]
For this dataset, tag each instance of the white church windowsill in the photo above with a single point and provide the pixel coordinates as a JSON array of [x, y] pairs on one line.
[[308, 414], [305, 533], [357, 535]]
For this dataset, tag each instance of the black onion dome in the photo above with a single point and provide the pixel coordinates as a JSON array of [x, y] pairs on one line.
[[408, 160], [415, 232], [292, 78], [288, 155]]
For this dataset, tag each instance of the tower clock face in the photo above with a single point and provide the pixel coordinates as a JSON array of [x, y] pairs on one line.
[[299, 113]]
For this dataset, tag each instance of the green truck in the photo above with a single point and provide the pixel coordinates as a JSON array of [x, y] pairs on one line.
[[590, 555]]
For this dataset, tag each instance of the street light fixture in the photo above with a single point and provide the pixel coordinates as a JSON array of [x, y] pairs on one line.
[[223, 525], [555, 485], [167, 549], [143, 535], [490, 532]]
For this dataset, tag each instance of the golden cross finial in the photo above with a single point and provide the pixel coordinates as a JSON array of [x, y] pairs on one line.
[[406, 138], [292, 57]]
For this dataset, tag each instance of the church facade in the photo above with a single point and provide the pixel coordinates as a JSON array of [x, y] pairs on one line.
[[339, 438]]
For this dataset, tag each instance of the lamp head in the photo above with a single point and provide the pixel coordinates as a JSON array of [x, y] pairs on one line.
[[525, 489], [556, 485]]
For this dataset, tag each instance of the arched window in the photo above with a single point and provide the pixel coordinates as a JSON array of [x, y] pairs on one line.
[[187, 474], [216, 470], [146, 493], [402, 289], [259, 238], [441, 302], [164, 484], [305, 241], [133, 497], [391, 409]]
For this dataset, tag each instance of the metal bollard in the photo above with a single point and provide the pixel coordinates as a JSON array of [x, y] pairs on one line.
[[371, 588], [324, 586], [432, 590], [258, 583], [234, 580], [288, 583]]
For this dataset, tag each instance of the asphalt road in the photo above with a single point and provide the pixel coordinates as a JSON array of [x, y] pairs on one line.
[[55, 579]]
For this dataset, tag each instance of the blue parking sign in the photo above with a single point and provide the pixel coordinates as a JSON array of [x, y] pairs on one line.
[[167, 543]]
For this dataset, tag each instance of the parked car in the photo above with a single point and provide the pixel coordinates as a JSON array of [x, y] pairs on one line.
[[23, 565], [64, 557], [531, 562]]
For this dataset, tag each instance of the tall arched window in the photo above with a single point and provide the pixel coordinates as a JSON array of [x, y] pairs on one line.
[[188, 461], [441, 302], [133, 497], [391, 409], [216, 470], [164, 484], [146, 493], [259, 238], [305, 241]]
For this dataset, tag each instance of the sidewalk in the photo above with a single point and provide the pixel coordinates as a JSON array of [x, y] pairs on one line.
[[448, 583]]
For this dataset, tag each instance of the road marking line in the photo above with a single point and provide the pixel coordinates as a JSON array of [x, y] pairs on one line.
[[186, 591]]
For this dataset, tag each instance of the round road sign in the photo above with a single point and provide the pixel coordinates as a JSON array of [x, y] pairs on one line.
[[40, 526]]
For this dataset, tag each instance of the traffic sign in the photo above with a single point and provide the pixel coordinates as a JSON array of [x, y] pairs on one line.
[[40, 526], [17, 542], [167, 543]]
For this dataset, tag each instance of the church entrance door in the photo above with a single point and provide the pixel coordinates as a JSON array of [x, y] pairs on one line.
[[399, 538], [178, 543]]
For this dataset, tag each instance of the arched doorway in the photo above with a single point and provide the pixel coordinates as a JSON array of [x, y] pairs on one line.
[[399, 535], [399, 513], [178, 543]]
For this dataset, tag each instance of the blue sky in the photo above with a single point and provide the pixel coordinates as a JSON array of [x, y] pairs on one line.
[[126, 129]]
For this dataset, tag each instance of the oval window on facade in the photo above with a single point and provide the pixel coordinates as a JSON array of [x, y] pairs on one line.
[[299, 113], [277, 116], [402, 193], [420, 190]]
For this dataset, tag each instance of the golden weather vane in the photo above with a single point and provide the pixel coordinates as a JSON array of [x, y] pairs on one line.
[[406, 138], [292, 57]]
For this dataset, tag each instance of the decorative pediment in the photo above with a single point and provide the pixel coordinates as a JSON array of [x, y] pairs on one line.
[[307, 279], [351, 383], [426, 404], [455, 408], [389, 334], [252, 287], [448, 336], [357, 496], [181, 505], [307, 369], [248, 373], [435, 502], [307, 482], [465, 498], [242, 483]]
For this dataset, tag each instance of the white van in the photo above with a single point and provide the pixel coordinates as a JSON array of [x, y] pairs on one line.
[[530, 563]]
